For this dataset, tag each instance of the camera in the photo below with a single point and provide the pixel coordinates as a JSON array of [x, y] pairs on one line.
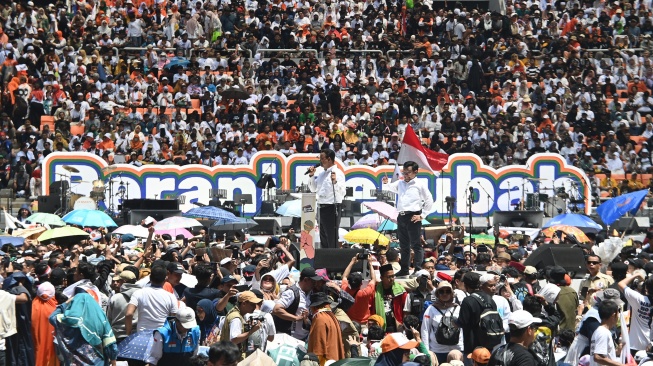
[[363, 256]]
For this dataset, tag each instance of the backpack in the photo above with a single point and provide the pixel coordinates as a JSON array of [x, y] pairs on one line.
[[285, 326], [490, 325], [448, 331]]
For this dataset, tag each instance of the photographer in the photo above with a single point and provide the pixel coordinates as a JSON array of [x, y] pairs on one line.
[[352, 283], [266, 262], [234, 327]]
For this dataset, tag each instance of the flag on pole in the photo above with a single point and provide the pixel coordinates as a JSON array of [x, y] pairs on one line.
[[397, 174], [612, 209], [412, 149], [626, 358]]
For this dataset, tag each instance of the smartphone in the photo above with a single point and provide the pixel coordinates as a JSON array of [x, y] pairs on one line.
[[242, 288]]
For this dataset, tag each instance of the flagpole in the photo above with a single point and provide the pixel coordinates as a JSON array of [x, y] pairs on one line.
[[630, 223]]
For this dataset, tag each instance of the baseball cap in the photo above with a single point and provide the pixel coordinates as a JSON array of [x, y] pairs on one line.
[[229, 278], [610, 294], [480, 355], [248, 296], [175, 268], [393, 341], [522, 319], [441, 276], [187, 318], [530, 270], [310, 273], [127, 276]]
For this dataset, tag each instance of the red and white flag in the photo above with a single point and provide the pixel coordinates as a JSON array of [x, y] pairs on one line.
[[412, 149]]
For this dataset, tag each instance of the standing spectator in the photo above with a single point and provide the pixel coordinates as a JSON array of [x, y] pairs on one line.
[[176, 341], [389, 300], [154, 304], [352, 283], [118, 303], [471, 309], [522, 334], [602, 346], [567, 298], [640, 324], [444, 307], [291, 310], [325, 337]]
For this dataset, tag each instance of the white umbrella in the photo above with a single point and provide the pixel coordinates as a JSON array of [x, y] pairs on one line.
[[137, 230], [341, 234], [176, 222]]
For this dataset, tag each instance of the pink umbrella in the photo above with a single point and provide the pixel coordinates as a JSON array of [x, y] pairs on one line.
[[371, 221], [383, 209], [174, 232]]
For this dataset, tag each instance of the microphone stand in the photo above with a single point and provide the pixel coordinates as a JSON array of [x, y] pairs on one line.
[[488, 203], [471, 224]]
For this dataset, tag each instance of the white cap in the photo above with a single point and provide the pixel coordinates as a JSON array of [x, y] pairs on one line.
[[522, 319], [187, 318], [422, 272], [486, 278], [225, 261], [364, 152]]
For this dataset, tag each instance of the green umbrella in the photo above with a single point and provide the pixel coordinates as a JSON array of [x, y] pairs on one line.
[[64, 235], [44, 218], [358, 361]]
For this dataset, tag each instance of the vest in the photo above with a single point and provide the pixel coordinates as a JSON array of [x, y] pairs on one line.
[[177, 351], [226, 328]]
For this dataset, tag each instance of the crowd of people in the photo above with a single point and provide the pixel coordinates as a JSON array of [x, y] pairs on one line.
[[103, 300]]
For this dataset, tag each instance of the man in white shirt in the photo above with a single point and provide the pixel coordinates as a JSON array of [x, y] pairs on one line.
[[413, 199], [154, 304], [329, 186], [602, 348]]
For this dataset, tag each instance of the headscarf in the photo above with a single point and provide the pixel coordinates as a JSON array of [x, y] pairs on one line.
[[210, 317]]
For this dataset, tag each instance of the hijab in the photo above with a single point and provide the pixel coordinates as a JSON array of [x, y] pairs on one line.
[[210, 317]]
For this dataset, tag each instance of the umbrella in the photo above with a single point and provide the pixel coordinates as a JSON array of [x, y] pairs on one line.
[[389, 225], [241, 224], [235, 93], [137, 346], [292, 208], [176, 222], [209, 213], [258, 358], [485, 239], [177, 62], [174, 232], [66, 234], [13, 240], [569, 230], [89, 218], [383, 209], [341, 234], [371, 221], [31, 233], [44, 218], [366, 236], [137, 230], [581, 222], [357, 361]]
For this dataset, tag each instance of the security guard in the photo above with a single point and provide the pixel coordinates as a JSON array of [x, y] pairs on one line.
[[176, 341]]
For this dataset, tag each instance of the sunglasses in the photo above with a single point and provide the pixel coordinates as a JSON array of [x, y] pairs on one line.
[[444, 291], [593, 262]]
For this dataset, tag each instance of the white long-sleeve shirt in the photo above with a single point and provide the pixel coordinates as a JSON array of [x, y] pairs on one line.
[[321, 184], [412, 196]]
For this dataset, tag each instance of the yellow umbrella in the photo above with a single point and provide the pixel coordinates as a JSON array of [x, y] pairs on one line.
[[569, 230], [366, 236]]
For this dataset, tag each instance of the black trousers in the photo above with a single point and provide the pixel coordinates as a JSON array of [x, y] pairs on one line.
[[409, 233], [329, 216]]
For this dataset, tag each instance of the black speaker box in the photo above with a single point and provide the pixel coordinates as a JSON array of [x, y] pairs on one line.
[[569, 257], [336, 260], [49, 204], [518, 218], [267, 209], [136, 216], [59, 186], [266, 226]]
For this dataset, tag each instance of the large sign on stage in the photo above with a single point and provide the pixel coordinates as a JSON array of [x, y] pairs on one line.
[[493, 190]]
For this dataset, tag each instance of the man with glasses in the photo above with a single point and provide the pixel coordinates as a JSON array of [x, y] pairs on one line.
[[413, 198], [329, 188], [596, 279]]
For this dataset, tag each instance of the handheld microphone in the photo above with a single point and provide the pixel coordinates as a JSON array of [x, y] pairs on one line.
[[314, 166]]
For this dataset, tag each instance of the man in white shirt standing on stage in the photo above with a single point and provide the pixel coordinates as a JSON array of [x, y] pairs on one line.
[[413, 198], [329, 188]]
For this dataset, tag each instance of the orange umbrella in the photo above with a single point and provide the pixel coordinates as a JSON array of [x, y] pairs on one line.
[[569, 230]]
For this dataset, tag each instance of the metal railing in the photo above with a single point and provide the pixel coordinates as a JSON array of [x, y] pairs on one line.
[[117, 50], [294, 50], [366, 51]]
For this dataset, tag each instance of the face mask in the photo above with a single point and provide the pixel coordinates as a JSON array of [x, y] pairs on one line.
[[283, 288]]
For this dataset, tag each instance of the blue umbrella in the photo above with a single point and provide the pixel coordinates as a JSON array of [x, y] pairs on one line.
[[177, 62], [582, 222], [290, 208], [89, 218], [233, 225], [389, 225], [13, 240], [209, 213], [137, 346]]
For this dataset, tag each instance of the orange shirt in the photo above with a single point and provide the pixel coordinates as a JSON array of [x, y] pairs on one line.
[[360, 311]]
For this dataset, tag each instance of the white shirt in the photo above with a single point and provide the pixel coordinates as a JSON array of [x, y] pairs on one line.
[[432, 318], [411, 196], [154, 305], [286, 299], [602, 344], [639, 323], [321, 184]]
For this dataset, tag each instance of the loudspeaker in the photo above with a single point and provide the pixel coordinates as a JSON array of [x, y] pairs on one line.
[[150, 204], [267, 209], [136, 216], [266, 226], [49, 204], [569, 257], [59, 186], [336, 260], [518, 218], [479, 224], [351, 208], [638, 224]]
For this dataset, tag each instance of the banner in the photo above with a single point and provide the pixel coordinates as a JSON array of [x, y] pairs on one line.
[[493, 190], [310, 234]]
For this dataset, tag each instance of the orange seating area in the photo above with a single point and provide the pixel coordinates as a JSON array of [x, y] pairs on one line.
[[47, 120]]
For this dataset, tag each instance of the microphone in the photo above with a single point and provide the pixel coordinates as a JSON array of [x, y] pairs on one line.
[[314, 166]]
